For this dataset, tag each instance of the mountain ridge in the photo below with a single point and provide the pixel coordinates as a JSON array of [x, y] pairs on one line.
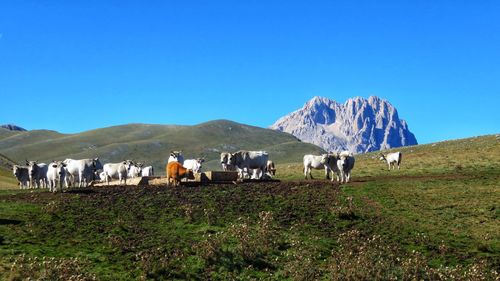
[[12, 127], [152, 143], [358, 125]]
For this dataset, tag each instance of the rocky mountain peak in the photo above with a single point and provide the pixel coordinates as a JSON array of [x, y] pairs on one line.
[[359, 124], [12, 127]]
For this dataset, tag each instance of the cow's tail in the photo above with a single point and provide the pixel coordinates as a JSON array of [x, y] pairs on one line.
[[400, 158]]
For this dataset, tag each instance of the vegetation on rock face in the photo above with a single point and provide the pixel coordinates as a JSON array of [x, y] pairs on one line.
[[436, 219]]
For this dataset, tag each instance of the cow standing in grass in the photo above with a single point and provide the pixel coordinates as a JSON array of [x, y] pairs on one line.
[[193, 164], [345, 164], [392, 159], [316, 162], [22, 175], [147, 171], [37, 173], [176, 172], [82, 169], [117, 171], [245, 161], [56, 174]]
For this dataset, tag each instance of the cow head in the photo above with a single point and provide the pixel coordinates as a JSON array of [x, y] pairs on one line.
[[59, 166], [231, 159], [32, 168], [382, 157], [15, 170], [223, 157], [343, 162], [96, 164]]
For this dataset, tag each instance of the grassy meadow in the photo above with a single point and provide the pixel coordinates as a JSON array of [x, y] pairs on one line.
[[435, 219]]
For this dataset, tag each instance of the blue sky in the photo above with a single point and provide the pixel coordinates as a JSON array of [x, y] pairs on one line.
[[72, 66]]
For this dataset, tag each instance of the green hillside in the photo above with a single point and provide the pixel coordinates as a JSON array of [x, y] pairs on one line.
[[7, 180], [435, 219], [152, 143]]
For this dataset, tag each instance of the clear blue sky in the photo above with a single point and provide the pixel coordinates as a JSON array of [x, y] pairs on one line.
[[71, 66]]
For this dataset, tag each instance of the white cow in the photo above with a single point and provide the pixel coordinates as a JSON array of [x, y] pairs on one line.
[[246, 160], [56, 173], [393, 159], [224, 157], [147, 171], [345, 163], [271, 168], [37, 173], [316, 162], [102, 176], [22, 175], [134, 171], [176, 156], [193, 164], [330, 162], [117, 171], [83, 169]]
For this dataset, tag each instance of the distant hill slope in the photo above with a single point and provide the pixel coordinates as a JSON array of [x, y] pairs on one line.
[[152, 143], [7, 180], [12, 127], [358, 125]]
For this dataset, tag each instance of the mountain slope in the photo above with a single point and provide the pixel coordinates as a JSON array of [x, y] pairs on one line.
[[7, 180], [359, 125], [12, 127], [152, 143]]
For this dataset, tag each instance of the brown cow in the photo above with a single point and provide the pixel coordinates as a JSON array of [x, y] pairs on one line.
[[176, 172]]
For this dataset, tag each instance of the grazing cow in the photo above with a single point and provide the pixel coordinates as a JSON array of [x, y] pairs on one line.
[[147, 171], [246, 160], [270, 168], [193, 164], [37, 173], [176, 172], [117, 171], [22, 175], [345, 163], [316, 162], [176, 156], [83, 169], [392, 159], [224, 157], [56, 173]]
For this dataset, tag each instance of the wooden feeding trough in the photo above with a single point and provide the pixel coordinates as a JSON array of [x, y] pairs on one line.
[[216, 177], [209, 177], [130, 181]]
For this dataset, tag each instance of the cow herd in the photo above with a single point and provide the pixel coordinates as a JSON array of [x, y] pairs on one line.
[[248, 164], [339, 163], [71, 172]]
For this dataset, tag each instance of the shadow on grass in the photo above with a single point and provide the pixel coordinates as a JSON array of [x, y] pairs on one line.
[[9, 222]]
